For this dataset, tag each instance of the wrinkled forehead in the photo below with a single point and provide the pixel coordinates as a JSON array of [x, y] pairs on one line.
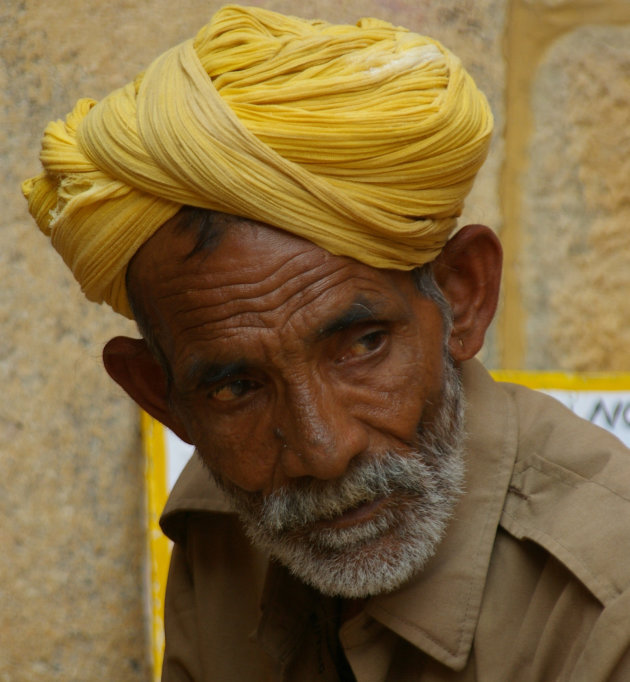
[[224, 250], [248, 267]]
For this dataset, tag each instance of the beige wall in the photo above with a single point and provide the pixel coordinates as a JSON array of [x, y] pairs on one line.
[[71, 483]]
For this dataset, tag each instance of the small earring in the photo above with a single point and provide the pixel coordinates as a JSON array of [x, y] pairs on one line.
[[461, 343]]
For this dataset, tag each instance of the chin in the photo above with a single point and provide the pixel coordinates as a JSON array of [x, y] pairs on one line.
[[371, 557]]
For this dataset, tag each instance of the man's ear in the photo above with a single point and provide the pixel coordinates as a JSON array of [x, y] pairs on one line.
[[468, 271], [130, 364]]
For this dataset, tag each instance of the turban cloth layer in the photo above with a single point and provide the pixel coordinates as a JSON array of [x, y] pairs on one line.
[[362, 139]]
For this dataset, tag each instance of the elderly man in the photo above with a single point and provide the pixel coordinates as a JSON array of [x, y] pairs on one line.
[[274, 204]]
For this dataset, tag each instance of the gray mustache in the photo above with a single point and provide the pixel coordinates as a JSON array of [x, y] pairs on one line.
[[290, 509]]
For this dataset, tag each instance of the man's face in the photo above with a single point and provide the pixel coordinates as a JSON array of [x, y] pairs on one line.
[[316, 391]]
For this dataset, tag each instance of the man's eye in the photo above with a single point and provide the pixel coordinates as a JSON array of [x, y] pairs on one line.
[[366, 344], [233, 390]]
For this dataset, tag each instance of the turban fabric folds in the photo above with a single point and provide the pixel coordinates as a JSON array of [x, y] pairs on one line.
[[362, 139]]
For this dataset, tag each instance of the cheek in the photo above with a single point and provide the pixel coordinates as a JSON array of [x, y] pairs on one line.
[[408, 404], [241, 452], [407, 390]]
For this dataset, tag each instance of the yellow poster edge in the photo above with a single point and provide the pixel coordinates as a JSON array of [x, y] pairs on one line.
[[566, 381], [159, 549]]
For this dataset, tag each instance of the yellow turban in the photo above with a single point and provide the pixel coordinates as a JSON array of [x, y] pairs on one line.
[[362, 139]]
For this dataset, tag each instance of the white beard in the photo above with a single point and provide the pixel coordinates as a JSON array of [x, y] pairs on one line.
[[420, 487]]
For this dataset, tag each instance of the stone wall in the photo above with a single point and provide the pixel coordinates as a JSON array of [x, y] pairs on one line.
[[564, 190], [71, 491]]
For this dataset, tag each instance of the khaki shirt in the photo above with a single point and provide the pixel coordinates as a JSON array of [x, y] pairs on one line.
[[530, 584]]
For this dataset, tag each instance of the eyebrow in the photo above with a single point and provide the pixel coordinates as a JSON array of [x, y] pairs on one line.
[[361, 310], [202, 373]]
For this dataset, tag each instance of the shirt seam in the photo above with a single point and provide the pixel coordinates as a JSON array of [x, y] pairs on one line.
[[601, 591], [555, 471]]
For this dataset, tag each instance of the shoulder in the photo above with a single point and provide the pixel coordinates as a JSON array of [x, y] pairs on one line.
[[570, 492], [194, 494]]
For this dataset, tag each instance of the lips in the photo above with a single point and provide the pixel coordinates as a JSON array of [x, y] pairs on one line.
[[364, 512]]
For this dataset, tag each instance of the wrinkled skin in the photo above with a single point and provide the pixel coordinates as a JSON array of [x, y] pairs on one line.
[[289, 363], [270, 308]]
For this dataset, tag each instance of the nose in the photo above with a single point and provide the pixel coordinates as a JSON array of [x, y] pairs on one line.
[[318, 434]]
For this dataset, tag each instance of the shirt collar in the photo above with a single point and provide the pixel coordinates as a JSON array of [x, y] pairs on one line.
[[438, 610], [194, 491]]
